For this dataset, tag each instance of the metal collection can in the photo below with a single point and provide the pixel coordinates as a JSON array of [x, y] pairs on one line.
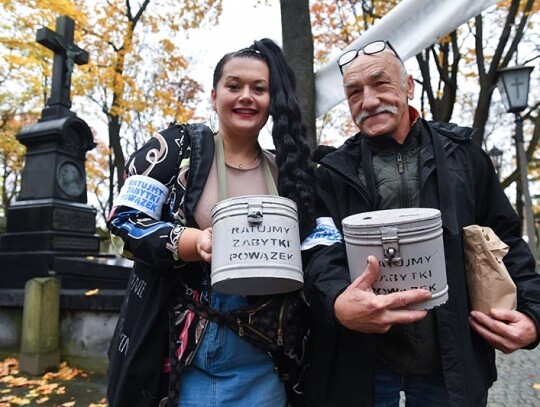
[[409, 246], [256, 246]]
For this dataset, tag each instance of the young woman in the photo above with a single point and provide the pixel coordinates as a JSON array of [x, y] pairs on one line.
[[162, 350]]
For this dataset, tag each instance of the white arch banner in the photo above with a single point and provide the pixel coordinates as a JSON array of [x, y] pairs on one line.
[[411, 26]]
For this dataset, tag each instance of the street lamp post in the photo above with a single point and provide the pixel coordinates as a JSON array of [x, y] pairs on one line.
[[513, 84]]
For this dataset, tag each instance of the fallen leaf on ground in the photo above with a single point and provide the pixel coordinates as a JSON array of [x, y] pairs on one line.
[[9, 366], [95, 291]]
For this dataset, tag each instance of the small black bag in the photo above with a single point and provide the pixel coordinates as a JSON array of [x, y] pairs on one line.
[[271, 322]]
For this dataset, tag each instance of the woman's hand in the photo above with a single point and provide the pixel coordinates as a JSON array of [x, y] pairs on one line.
[[204, 244], [195, 245]]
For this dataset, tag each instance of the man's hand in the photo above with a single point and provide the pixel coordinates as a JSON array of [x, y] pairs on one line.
[[505, 330], [360, 309]]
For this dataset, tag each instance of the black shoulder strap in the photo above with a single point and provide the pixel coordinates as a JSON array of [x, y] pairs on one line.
[[446, 199]]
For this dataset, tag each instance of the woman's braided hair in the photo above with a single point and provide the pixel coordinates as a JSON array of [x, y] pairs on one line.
[[296, 171]]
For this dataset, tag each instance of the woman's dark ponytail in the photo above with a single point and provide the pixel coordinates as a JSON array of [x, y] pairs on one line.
[[296, 170]]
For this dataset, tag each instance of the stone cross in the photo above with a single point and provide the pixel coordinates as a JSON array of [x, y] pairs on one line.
[[66, 55]]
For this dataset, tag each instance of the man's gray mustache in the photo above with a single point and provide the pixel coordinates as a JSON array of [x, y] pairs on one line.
[[381, 109]]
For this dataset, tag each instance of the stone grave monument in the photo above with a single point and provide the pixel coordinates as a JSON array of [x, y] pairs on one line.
[[51, 229]]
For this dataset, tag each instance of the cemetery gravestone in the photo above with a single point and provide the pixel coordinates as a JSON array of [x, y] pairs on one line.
[[51, 218]]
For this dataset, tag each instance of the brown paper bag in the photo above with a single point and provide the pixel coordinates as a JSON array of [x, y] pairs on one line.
[[490, 285]]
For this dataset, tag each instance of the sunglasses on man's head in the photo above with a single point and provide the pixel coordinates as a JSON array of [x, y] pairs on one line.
[[369, 49]]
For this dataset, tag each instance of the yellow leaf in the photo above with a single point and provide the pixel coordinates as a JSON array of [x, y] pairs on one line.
[[92, 292], [48, 388], [536, 386], [68, 404], [19, 401], [42, 400]]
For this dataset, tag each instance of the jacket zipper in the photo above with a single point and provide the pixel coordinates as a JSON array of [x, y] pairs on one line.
[[257, 309], [400, 165], [404, 187]]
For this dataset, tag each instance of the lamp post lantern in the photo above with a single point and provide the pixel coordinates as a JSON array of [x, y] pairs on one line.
[[513, 85], [496, 158]]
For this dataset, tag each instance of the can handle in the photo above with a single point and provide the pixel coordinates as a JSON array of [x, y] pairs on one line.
[[255, 211]]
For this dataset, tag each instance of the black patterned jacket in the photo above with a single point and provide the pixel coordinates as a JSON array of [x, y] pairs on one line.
[[144, 361]]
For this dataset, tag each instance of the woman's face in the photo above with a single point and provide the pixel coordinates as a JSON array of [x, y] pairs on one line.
[[241, 97]]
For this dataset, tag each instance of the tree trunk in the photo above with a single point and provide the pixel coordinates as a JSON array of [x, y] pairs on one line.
[[298, 48]]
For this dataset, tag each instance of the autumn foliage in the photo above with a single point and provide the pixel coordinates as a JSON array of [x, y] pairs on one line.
[[136, 81]]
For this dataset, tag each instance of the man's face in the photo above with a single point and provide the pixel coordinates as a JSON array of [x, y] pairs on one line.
[[378, 95]]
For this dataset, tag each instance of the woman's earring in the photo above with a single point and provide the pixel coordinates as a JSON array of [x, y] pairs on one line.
[[213, 121], [269, 125]]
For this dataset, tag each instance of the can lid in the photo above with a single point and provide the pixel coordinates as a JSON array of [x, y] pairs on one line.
[[268, 202], [393, 217]]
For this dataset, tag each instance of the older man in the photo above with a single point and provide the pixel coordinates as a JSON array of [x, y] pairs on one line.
[[365, 347]]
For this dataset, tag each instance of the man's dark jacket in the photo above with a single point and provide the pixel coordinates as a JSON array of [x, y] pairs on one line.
[[341, 367]]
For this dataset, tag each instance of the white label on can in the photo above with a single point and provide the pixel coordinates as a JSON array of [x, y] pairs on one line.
[[260, 242]]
